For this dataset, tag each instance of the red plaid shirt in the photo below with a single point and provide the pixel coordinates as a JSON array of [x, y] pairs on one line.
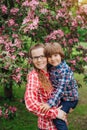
[[34, 96]]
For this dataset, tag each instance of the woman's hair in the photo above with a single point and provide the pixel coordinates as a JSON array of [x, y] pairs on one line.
[[46, 84], [53, 48]]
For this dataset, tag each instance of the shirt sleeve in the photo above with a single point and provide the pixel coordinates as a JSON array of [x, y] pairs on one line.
[[31, 99], [61, 82]]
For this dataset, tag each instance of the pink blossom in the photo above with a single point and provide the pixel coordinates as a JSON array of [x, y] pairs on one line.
[[29, 17], [44, 0], [12, 109], [18, 70], [43, 11], [3, 9], [21, 53], [33, 4], [74, 23], [15, 35], [14, 11], [1, 40], [11, 22], [13, 57], [85, 59], [18, 1], [55, 34], [17, 43], [26, 3], [17, 78], [70, 41], [33, 24], [73, 62], [75, 39], [0, 112]]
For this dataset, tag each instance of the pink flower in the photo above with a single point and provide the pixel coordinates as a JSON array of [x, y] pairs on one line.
[[15, 35], [18, 70], [21, 53], [32, 24], [12, 109], [75, 39], [1, 40], [85, 59], [55, 34], [73, 62], [13, 57], [17, 43], [33, 4], [3, 9], [11, 22], [43, 11], [14, 11], [17, 78], [26, 3], [70, 41], [18, 1], [74, 23], [0, 112]]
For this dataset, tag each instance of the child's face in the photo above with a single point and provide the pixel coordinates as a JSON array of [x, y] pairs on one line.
[[54, 59]]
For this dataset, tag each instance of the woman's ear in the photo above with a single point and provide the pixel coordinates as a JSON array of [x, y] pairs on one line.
[[30, 60]]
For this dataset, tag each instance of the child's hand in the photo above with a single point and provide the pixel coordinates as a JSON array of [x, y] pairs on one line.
[[71, 110], [45, 107], [62, 115]]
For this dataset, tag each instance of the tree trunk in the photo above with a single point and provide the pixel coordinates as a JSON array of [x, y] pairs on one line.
[[8, 91]]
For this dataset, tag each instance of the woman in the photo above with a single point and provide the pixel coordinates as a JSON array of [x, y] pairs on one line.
[[39, 90]]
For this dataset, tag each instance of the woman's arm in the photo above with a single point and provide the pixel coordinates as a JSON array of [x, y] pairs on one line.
[[31, 99]]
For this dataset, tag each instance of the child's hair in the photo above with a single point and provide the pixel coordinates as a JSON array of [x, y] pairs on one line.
[[53, 48], [46, 84]]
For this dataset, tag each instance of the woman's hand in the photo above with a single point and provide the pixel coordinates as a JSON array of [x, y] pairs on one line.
[[62, 115], [45, 107]]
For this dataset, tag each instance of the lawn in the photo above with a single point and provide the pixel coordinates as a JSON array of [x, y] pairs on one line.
[[27, 121]]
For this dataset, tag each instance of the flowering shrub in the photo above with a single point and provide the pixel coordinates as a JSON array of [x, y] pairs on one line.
[[58, 21], [12, 50], [27, 22], [8, 112]]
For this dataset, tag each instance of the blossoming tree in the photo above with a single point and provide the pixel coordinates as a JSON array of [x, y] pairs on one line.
[[28, 22], [60, 21]]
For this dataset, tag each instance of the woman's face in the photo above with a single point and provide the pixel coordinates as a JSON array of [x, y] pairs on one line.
[[39, 59]]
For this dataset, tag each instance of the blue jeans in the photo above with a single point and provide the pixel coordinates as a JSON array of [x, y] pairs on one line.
[[66, 105]]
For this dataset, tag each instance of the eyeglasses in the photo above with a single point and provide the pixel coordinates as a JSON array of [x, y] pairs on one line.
[[38, 57]]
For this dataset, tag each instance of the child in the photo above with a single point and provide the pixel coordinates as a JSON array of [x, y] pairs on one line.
[[65, 87]]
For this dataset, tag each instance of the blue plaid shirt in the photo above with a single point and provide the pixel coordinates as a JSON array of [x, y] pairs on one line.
[[65, 86]]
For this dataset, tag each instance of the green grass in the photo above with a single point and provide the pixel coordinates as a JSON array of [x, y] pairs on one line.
[[27, 121]]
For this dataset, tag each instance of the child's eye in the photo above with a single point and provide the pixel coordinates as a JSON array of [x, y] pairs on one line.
[[56, 54]]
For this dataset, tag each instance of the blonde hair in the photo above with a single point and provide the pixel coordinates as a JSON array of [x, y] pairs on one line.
[[46, 84], [53, 48]]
